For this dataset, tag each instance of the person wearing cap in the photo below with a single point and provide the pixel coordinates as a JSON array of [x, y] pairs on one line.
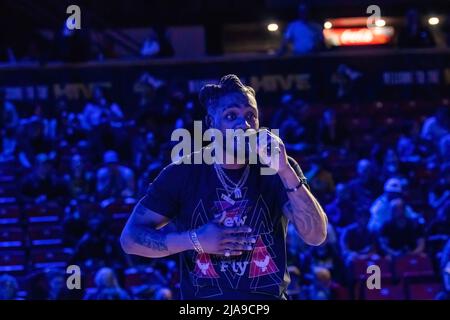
[[401, 234], [380, 211]]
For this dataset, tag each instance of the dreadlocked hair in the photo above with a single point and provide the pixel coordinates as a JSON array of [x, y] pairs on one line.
[[211, 93]]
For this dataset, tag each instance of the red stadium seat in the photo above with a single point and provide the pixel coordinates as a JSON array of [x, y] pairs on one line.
[[45, 235], [11, 237], [119, 211], [387, 292], [360, 267], [13, 262], [9, 214], [423, 291], [413, 266], [133, 278], [49, 258], [42, 213]]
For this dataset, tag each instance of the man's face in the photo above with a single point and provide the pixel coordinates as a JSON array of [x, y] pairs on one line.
[[235, 111]]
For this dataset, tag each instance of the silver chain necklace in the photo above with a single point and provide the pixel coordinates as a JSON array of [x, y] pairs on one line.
[[231, 187]]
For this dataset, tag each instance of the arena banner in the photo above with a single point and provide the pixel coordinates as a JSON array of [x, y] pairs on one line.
[[331, 76]]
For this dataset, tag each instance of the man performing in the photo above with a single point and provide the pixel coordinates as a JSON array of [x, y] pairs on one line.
[[231, 221]]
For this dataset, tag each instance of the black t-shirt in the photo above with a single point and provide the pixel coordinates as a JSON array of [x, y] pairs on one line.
[[190, 194]]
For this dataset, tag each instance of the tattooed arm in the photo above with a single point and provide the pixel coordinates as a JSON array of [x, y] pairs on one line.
[[304, 210], [141, 235]]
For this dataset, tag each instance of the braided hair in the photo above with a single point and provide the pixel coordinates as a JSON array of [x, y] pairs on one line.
[[211, 93]]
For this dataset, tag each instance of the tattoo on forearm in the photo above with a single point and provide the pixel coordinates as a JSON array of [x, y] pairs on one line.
[[305, 217], [151, 239]]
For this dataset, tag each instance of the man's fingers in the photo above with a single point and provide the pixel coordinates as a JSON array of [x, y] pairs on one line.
[[239, 239], [237, 230], [237, 246]]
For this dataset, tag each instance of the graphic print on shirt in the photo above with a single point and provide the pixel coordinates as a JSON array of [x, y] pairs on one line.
[[257, 265], [263, 270]]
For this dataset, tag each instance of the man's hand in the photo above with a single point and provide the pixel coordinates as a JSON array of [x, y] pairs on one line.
[[277, 158], [216, 239]]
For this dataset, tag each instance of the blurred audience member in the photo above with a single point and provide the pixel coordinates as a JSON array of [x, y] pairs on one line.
[[56, 284], [381, 210], [321, 287], [320, 179], [163, 293], [80, 180], [356, 241], [437, 126], [157, 44], [8, 146], [414, 34], [98, 247], [407, 150], [114, 180], [332, 133], [401, 235], [43, 184], [9, 117], [304, 35], [107, 287], [340, 211], [101, 110], [445, 267], [8, 287], [365, 187], [439, 192]]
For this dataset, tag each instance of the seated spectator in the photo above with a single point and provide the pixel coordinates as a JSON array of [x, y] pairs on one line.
[[356, 241], [320, 180], [43, 184], [304, 35], [445, 267], [437, 126], [33, 140], [100, 110], [439, 192], [8, 287], [365, 187], [56, 284], [322, 285], [332, 133], [340, 212], [8, 145], [444, 149], [107, 287], [157, 44], [79, 179], [391, 165], [72, 130], [407, 150], [414, 34], [401, 234], [380, 211], [114, 180], [97, 247], [438, 230], [9, 117], [150, 46], [145, 150], [163, 293]]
